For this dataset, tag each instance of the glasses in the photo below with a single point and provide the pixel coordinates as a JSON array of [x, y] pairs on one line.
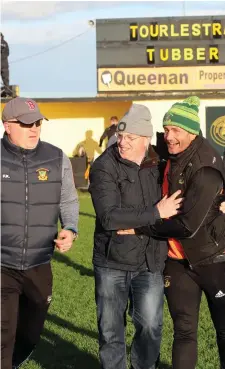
[[127, 138], [38, 123]]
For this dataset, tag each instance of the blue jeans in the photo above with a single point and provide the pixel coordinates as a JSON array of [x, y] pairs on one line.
[[112, 291]]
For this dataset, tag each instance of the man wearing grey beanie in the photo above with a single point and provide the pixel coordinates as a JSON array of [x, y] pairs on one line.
[[125, 190]]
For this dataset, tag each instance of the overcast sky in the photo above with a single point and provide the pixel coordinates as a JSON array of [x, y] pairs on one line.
[[31, 27]]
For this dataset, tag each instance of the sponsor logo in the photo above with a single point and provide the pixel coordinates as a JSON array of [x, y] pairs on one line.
[[121, 126], [219, 294], [217, 131], [106, 78], [160, 79]]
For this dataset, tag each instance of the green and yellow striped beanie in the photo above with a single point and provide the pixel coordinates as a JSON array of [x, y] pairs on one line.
[[184, 115]]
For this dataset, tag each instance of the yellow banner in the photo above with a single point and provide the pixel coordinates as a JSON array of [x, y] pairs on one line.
[[161, 79]]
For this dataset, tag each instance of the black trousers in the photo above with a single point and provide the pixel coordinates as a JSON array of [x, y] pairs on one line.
[[5, 72], [183, 289], [25, 298]]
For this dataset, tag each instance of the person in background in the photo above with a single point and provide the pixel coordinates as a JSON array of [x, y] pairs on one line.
[[109, 131], [37, 189], [5, 65], [112, 140]]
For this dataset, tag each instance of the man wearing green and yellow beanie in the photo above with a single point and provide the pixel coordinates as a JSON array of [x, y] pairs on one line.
[[182, 124], [196, 237]]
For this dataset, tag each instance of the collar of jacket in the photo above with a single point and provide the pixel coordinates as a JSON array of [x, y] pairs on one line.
[[151, 158], [16, 149]]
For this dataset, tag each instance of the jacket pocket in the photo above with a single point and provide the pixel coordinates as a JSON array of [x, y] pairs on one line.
[[217, 230], [102, 244], [126, 249]]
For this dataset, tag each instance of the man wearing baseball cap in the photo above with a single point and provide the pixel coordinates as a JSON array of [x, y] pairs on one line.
[[37, 190], [124, 186]]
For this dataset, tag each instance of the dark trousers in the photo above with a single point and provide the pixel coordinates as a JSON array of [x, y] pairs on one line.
[[25, 298], [183, 289], [112, 291]]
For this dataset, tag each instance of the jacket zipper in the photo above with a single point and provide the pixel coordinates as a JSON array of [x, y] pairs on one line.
[[216, 243], [144, 203], [189, 263], [26, 213], [188, 260]]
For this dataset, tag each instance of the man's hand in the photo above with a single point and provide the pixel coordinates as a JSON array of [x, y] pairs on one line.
[[222, 207], [65, 240], [169, 206], [126, 231]]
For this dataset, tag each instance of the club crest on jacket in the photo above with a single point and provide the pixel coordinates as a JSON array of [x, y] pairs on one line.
[[42, 174], [167, 281]]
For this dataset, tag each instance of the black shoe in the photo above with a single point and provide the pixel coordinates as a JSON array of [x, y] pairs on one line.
[[21, 354]]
